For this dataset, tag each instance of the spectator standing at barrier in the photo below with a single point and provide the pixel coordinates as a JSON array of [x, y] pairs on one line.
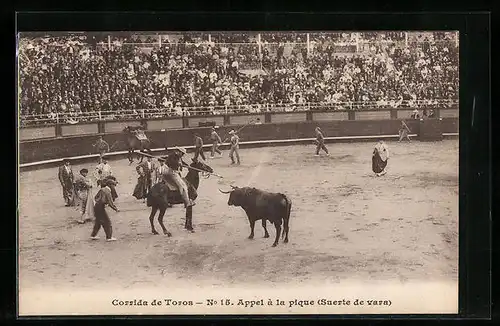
[[66, 178], [235, 147], [216, 141], [198, 147], [102, 147], [83, 187], [320, 142], [380, 157], [102, 199]]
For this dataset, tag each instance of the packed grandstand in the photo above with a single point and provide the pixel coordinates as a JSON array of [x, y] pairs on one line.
[[75, 77]]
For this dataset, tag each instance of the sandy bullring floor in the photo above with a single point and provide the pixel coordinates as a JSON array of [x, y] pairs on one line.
[[346, 224]]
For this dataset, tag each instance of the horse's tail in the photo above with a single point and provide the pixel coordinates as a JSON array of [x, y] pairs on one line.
[[286, 217]]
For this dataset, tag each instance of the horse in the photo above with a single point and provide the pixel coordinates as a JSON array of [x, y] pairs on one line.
[[143, 145], [163, 194]]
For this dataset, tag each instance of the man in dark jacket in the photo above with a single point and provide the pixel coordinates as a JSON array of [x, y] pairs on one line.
[[102, 199], [66, 179]]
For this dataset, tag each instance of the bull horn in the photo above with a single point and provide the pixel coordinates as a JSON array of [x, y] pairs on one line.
[[224, 192], [234, 187]]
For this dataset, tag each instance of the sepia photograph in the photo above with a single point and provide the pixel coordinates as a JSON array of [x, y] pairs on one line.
[[243, 172]]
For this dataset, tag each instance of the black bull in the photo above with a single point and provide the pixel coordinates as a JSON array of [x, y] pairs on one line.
[[263, 205]]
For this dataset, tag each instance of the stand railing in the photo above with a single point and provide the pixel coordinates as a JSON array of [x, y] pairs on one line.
[[157, 113]]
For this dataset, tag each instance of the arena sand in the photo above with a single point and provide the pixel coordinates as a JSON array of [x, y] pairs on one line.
[[346, 225]]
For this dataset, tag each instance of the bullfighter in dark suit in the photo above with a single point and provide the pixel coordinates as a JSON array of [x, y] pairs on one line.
[[66, 179], [145, 181]]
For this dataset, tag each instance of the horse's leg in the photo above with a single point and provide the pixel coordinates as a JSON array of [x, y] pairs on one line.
[[130, 157], [139, 156], [163, 209], [266, 234], [189, 219], [154, 208], [141, 148]]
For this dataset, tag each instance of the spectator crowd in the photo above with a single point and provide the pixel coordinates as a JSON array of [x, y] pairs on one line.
[[70, 79]]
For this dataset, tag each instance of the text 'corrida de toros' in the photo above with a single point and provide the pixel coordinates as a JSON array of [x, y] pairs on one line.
[[253, 303]]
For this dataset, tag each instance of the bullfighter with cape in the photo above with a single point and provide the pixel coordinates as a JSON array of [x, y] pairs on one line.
[[380, 157], [83, 195], [141, 188]]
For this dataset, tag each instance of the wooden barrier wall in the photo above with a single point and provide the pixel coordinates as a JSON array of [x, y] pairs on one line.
[[46, 149]]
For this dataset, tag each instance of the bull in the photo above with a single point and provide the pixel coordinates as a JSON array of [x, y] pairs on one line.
[[265, 206]]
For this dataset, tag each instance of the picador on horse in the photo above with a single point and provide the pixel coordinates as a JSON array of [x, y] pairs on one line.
[[173, 176], [136, 140], [174, 189]]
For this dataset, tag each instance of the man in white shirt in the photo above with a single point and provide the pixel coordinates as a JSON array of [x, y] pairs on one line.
[[216, 141], [161, 170], [103, 170], [235, 146], [149, 169]]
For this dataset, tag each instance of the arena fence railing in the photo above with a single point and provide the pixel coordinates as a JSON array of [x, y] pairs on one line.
[[159, 112]]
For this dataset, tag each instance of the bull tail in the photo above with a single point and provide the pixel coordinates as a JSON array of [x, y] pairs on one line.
[[286, 217]]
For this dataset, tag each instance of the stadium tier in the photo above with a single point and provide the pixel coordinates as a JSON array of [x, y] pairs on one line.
[[86, 77]]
